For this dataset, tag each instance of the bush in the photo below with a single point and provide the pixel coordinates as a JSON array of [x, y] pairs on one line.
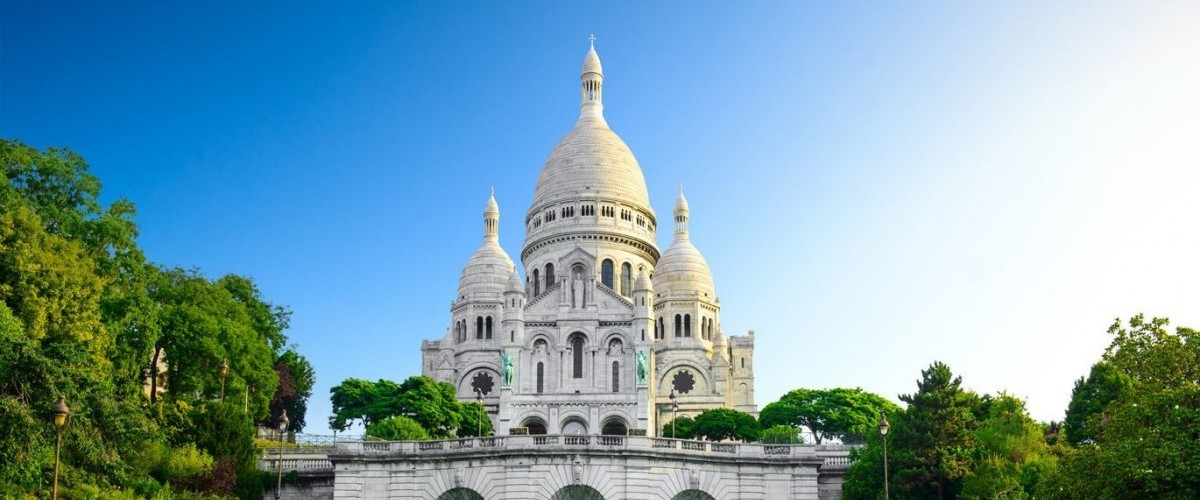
[[782, 434], [188, 462]]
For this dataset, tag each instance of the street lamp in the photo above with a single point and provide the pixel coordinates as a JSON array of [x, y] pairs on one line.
[[223, 370], [62, 415], [883, 430], [283, 425], [674, 411], [479, 413]]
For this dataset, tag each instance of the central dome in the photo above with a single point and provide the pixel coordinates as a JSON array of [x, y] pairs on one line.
[[591, 159]]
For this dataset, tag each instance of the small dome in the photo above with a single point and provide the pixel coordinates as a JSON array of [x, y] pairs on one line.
[[489, 268], [514, 282], [682, 269], [591, 63], [642, 282], [487, 271]]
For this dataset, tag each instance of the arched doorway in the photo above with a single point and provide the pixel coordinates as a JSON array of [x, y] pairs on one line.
[[574, 427], [460, 494], [577, 492], [692, 495], [535, 425], [614, 427]]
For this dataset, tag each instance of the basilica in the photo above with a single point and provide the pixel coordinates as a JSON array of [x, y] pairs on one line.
[[605, 334]]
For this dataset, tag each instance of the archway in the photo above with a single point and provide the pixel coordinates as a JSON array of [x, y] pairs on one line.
[[577, 492], [535, 425], [614, 426], [574, 427], [460, 494], [692, 495]]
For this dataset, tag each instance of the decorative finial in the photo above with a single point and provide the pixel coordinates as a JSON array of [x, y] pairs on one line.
[[592, 39], [493, 188]]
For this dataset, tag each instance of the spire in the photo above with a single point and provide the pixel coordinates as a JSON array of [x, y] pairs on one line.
[[681, 215], [491, 218], [591, 83]]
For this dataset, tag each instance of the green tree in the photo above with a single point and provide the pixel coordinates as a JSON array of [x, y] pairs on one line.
[[1147, 441], [432, 403], [296, 379], [1011, 455], [937, 428], [841, 413], [473, 421], [1090, 397], [397, 428], [683, 427], [719, 424], [782, 434]]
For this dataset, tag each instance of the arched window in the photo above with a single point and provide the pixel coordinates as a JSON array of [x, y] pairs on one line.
[[479, 327], [687, 325], [616, 377], [678, 325], [549, 275], [537, 283], [606, 273], [540, 373], [662, 329], [577, 356], [743, 362], [626, 278], [488, 331]]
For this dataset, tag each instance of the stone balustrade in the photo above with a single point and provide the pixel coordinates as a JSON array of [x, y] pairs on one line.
[[831, 454]]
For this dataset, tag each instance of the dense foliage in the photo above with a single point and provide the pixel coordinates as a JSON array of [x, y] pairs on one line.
[[430, 403], [844, 414], [1132, 430], [84, 315]]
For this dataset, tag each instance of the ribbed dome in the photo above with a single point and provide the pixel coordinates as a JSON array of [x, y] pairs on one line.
[[591, 158], [591, 62], [489, 268], [682, 270]]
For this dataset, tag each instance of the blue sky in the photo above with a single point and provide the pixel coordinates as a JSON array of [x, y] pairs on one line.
[[875, 186]]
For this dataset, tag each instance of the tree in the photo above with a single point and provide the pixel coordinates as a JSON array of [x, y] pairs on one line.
[[397, 428], [683, 427], [1090, 397], [1146, 440], [1011, 457], [719, 424], [845, 414], [473, 421], [938, 429], [782, 434], [432, 403], [296, 379]]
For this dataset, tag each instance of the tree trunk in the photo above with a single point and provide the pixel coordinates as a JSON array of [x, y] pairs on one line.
[[816, 435]]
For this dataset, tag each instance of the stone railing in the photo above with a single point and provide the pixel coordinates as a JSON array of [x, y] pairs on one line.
[[302, 465], [837, 455]]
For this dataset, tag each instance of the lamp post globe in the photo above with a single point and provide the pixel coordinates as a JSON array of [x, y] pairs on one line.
[[283, 425], [62, 415]]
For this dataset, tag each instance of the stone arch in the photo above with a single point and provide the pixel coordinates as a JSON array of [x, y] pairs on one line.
[[460, 494], [608, 337], [468, 376], [703, 384], [692, 494], [577, 492], [574, 425], [534, 423], [614, 425], [532, 339]]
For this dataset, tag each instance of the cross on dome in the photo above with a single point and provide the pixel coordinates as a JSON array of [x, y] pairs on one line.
[[592, 39]]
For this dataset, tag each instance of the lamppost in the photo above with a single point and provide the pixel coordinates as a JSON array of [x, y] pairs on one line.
[[283, 425], [674, 411], [223, 370], [62, 415], [883, 430], [479, 413]]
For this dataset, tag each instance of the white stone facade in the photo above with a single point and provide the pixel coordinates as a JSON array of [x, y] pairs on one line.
[[597, 296]]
